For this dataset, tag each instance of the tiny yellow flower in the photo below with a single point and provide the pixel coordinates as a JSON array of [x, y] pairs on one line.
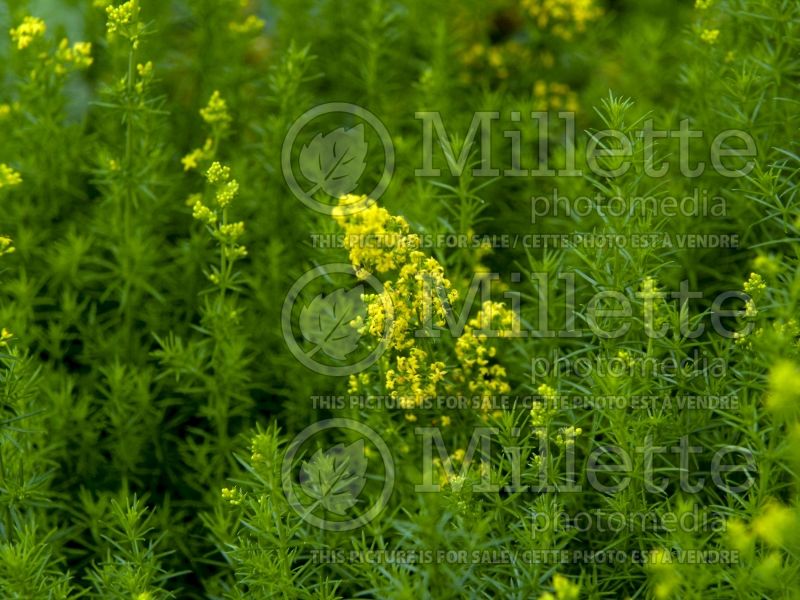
[[755, 284], [739, 536], [233, 230], [79, 56], [234, 252], [145, 70], [227, 193], [217, 173], [202, 213], [709, 36], [192, 160], [6, 245], [250, 26], [8, 176], [121, 17], [784, 387], [567, 436], [564, 588], [216, 111], [547, 392], [776, 524], [5, 337], [30, 29], [234, 495]]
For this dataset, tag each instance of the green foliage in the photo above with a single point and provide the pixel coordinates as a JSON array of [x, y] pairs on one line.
[[148, 239]]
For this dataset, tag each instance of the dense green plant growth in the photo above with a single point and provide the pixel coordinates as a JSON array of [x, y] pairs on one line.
[[150, 235]]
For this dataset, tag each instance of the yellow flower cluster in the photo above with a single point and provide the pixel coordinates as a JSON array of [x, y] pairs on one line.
[[564, 589], [218, 173], [377, 241], [544, 409], [215, 114], [193, 159], [232, 231], [8, 176], [145, 72], [709, 36], [79, 56], [478, 371], [5, 337], [30, 29], [703, 4], [776, 525], [784, 388], [416, 297], [566, 436], [414, 378], [649, 289], [554, 96], [755, 285], [563, 17], [667, 577], [419, 298], [224, 189], [250, 26], [6, 245], [216, 111], [65, 59], [234, 495], [122, 17], [358, 383]]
